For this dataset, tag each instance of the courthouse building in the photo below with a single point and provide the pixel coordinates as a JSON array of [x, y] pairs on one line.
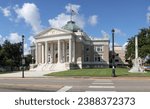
[[69, 48]]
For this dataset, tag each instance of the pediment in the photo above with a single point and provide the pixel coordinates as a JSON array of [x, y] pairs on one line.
[[53, 32]]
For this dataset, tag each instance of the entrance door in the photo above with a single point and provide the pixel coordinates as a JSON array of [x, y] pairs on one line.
[[56, 58]]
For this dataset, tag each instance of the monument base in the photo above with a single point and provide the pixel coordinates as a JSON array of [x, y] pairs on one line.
[[136, 70], [137, 66]]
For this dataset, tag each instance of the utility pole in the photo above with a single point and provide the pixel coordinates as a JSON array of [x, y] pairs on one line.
[[113, 55]]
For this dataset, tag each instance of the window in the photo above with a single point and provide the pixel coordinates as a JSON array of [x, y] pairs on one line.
[[116, 60], [67, 46], [87, 49], [117, 54], [86, 59], [99, 48], [49, 48], [98, 58]]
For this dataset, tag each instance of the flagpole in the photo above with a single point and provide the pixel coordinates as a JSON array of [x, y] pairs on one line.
[[70, 12]]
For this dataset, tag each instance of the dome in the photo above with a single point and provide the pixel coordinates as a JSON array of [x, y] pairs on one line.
[[71, 26], [32, 44]]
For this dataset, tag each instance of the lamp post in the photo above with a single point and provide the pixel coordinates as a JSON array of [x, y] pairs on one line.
[[23, 61], [113, 55]]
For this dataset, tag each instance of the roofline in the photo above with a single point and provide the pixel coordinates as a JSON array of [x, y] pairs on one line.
[[48, 29]]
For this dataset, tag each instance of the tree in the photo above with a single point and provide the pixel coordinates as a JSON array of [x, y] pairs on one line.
[[28, 60], [10, 55], [143, 45]]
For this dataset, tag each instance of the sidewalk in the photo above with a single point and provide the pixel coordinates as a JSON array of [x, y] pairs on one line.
[[26, 74]]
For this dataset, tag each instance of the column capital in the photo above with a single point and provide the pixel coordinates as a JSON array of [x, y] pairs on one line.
[[39, 43]]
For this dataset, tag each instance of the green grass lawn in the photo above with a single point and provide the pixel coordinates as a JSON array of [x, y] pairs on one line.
[[104, 72]]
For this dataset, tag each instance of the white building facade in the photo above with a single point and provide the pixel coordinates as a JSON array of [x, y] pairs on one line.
[[69, 48]]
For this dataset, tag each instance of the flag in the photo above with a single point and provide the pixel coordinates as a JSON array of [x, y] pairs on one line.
[[73, 12]]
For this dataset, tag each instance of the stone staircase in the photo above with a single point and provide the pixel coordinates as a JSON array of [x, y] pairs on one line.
[[39, 67], [51, 67]]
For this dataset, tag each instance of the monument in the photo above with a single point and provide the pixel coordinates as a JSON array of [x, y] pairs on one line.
[[137, 62]]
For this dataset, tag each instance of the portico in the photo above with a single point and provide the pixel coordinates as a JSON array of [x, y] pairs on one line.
[[56, 51]]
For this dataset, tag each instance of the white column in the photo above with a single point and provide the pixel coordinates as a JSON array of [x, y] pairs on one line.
[[52, 51], [136, 47], [46, 52], [42, 53], [73, 50], [36, 52], [70, 50], [63, 54], [39, 52], [59, 56]]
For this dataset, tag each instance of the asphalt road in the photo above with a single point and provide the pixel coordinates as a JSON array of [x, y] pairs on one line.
[[75, 84]]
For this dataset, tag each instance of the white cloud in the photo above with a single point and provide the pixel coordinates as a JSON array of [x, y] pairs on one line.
[[2, 39], [59, 21], [14, 38], [73, 7], [148, 17], [79, 19], [26, 49], [105, 34], [93, 20], [119, 32], [124, 45], [6, 11], [63, 18], [148, 8], [31, 39], [30, 13]]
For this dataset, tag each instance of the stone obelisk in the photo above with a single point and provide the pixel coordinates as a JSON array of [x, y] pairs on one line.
[[137, 62], [136, 47]]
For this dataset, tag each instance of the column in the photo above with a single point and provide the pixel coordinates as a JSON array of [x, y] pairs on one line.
[[42, 53], [63, 54], [73, 50], [52, 52], [59, 56], [36, 52], [46, 52], [39, 52], [70, 50]]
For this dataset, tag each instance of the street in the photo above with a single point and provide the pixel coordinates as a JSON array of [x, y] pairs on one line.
[[75, 84]]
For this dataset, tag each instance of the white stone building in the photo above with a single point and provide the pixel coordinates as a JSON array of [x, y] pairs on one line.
[[69, 48]]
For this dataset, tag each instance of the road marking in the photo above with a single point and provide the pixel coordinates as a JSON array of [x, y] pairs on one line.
[[103, 80], [64, 89], [101, 87], [100, 91], [102, 83]]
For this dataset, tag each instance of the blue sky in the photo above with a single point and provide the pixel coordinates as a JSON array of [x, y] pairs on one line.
[[96, 17]]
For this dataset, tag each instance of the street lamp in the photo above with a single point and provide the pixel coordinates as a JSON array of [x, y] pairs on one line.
[[23, 61], [113, 55]]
